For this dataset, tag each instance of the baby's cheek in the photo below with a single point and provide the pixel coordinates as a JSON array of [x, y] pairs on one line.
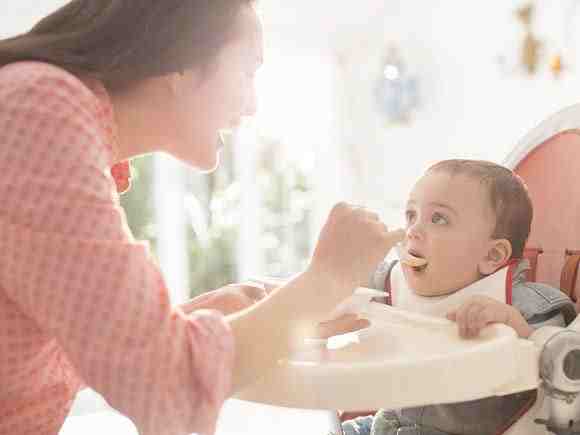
[[454, 259]]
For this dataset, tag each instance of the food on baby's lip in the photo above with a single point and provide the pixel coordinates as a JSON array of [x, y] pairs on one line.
[[409, 259]]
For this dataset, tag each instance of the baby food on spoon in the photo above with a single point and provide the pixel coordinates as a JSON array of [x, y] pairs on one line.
[[409, 258]]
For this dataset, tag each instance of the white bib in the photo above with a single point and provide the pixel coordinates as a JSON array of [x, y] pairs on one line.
[[496, 286]]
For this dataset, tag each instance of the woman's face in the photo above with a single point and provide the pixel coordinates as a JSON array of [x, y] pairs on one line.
[[217, 97]]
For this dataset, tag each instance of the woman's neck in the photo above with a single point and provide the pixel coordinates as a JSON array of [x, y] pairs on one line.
[[134, 120]]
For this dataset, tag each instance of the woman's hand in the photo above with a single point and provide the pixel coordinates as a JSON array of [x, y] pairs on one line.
[[341, 325], [228, 299], [479, 311], [350, 246]]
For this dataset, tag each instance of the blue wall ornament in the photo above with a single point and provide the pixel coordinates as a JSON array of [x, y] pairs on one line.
[[396, 92]]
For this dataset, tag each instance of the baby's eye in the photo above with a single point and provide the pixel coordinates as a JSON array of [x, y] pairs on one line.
[[439, 219], [410, 215]]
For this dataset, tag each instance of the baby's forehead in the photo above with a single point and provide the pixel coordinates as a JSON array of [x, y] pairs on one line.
[[457, 190], [442, 182]]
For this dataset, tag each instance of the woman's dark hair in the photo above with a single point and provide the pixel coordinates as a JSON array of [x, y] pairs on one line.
[[123, 41]]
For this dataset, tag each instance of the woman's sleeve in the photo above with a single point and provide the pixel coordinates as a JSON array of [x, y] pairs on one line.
[[69, 263]]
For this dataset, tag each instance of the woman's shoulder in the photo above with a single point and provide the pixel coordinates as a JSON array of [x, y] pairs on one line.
[[54, 124], [37, 85], [32, 74], [58, 106]]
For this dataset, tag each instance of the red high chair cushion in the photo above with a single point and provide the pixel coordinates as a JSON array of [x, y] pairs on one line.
[[551, 173], [345, 416]]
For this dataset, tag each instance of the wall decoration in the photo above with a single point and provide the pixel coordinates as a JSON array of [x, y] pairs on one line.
[[530, 52], [396, 92], [556, 51]]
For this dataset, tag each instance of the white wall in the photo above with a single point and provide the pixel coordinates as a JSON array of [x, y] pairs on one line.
[[18, 16], [471, 108]]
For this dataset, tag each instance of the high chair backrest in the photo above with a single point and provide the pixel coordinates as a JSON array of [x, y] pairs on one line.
[[548, 160]]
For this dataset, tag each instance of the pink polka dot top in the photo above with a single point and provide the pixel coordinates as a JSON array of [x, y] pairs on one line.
[[82, 302]]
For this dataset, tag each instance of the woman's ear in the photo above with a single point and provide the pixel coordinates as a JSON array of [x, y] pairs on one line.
[[184, 81], [175, 82], [498, 254]]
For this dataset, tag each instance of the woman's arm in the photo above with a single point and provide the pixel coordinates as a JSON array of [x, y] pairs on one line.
[[267, 331], [350, 246]]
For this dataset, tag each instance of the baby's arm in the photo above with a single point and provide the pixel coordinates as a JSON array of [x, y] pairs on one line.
[[358, 426], [480, 311]]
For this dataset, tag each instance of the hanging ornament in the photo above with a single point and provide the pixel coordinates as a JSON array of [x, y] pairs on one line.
[[530, 54], [556, 65], [566, 57], [396, 91], [555, 57]]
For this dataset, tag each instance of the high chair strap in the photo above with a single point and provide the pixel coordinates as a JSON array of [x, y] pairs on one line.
[[569, 274], [388, 288]]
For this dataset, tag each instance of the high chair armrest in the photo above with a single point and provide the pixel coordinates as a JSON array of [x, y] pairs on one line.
[[351, 415], [570, 274]]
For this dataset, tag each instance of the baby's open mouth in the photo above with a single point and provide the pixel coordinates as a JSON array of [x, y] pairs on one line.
[[412, 259]]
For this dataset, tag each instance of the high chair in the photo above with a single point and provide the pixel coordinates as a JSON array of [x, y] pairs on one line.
[[548, 159], [374, 368]]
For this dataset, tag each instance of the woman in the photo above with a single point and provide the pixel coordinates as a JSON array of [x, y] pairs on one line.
[[82, 303]]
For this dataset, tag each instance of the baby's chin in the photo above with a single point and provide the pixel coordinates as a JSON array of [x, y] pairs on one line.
[[425, 284], [431, 292]]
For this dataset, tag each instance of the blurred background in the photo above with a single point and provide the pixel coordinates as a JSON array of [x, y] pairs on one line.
[[356, 98]]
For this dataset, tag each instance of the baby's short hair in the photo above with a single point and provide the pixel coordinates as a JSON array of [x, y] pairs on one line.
[[509, 198]]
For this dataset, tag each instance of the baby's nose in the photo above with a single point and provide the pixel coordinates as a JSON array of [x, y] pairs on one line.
[[415, 231]]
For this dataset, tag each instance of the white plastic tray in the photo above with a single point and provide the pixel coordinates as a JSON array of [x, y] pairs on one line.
[[403, 360]]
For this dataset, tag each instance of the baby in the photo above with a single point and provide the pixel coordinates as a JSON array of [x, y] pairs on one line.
[[467, 221]]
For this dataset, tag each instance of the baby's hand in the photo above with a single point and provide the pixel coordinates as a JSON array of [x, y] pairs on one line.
[[340, 325], [480, 311]]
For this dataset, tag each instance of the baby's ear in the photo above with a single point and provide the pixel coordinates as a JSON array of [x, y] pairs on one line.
[[498, 254]]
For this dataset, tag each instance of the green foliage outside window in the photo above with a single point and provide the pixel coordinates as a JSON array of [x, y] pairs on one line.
[[212, 203], [212, 256], [138, 201], [286, 207]]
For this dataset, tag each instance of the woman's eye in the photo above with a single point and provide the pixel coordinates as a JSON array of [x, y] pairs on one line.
[[439, 219], [410, 215]]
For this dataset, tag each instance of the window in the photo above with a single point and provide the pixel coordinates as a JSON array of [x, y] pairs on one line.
[[258, 213]]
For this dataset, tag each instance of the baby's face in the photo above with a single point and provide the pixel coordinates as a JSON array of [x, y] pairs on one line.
[[449, 223]]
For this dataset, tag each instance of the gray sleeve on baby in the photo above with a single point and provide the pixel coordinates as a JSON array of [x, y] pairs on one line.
[[358, 426], [542, 305], [377, 280]]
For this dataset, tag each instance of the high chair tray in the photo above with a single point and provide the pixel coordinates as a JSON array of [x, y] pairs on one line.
[[402, 360]]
